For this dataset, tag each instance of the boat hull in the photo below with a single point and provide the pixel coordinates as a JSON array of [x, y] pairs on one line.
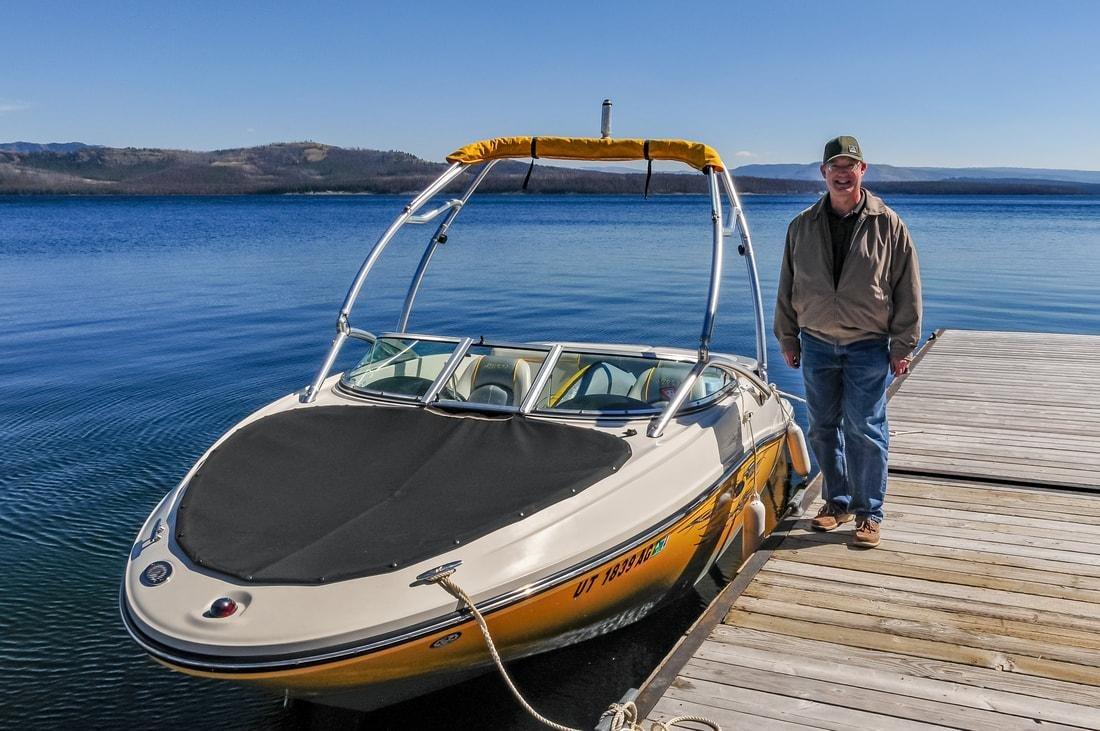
[[620, 590]]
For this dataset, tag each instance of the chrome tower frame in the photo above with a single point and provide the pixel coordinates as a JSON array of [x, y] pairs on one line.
[[718, 181]]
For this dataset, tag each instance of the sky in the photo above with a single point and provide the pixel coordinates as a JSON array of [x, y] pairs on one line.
[[929, 83]]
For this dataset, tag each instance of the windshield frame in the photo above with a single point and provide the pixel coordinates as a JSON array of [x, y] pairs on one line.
[[533, 402]]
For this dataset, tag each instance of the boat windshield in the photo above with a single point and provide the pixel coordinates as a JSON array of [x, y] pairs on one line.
[[603, 383], [406, 367], [501, 376], [402, 367]]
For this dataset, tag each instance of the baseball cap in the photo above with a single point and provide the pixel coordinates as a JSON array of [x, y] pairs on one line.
[[843, 146]]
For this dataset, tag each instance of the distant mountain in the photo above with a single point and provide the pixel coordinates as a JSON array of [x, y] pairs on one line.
[[279, 168], [312, 167], [40, 147], [893, 173], [306, 167]]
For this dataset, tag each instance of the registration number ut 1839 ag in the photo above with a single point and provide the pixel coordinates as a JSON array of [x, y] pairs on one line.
[[620, 568]]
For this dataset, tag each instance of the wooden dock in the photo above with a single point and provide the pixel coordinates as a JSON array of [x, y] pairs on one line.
[[981, 608], [1020, 408]]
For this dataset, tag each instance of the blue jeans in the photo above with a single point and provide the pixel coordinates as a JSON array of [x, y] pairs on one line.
[[846, 399]]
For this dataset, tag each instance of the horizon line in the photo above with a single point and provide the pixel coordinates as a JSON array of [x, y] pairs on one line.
[[374, 149]]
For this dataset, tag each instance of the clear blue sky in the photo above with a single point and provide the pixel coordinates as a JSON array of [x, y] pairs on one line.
[[920, 83]]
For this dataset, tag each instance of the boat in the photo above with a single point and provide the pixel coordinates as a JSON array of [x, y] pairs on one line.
[[569, 488]]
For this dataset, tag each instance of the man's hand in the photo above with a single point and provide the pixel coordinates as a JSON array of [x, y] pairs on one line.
[[900, 366], [792, 358]]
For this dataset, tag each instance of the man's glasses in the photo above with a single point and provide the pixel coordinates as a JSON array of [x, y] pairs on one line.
[[836, 167]]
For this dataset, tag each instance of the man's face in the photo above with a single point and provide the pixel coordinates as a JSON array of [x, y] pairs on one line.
[[843, 176]]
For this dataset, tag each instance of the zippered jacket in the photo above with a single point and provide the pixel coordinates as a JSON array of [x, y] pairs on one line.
[[879, 290]]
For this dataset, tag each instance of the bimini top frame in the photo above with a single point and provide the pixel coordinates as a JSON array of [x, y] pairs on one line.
[[487, 152]]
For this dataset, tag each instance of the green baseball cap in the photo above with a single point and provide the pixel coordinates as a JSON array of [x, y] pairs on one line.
[[843, 146]]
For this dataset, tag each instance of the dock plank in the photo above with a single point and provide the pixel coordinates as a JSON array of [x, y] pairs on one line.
[[932, 627], [919, 607], [1036, 511], [845, 694], [983, 495], [1064, 526], [969, 464], [1067, 572], [840, 691], [777, 706], [986, 533], [1026, 450], [976, 687], [946, 569], [1086, 541], [930, 584], [884, 638]]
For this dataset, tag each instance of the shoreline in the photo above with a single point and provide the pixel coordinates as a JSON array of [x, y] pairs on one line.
[[108, 195]]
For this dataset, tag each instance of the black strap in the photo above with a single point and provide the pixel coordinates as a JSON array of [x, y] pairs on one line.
[[534, 156], [649, 169]]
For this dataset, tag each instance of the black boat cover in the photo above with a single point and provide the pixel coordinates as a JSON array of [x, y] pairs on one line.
[[320, 494]]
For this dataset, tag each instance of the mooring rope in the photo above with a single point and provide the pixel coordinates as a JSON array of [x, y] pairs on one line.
[[621, 714], [789, 396], [627, 713], [456, 591]]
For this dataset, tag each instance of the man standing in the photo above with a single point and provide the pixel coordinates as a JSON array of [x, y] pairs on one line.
[[848, 312]]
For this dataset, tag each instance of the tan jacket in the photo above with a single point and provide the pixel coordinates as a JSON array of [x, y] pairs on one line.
[[879, 291]]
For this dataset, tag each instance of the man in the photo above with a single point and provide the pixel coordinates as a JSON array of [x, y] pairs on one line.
[[849, 312]]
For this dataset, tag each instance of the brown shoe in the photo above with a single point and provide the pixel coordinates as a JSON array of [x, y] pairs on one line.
[[830, 518], [868, 533]]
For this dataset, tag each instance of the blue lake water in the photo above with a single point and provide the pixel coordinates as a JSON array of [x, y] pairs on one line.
[[134, 331]]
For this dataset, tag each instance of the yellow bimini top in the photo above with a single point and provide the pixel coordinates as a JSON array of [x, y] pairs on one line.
[[695, 154]]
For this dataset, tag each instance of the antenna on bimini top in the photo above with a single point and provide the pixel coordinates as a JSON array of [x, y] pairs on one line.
[[605, 120]]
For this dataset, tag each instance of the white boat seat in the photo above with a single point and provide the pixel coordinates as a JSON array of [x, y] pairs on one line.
[[657, 385], [496, 380]]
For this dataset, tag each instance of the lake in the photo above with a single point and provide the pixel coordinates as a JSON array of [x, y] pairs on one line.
[[135, 331]]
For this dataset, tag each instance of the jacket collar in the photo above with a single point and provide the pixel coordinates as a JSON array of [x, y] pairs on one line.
[[872, 205]]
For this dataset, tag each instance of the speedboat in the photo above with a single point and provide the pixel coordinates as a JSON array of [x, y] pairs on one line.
[[569, 488]]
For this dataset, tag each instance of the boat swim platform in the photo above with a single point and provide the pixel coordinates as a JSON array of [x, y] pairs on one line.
[[981, 607]]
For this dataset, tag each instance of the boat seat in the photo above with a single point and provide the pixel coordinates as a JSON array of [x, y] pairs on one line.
[[496, 380], [598, 378], [658, 384]]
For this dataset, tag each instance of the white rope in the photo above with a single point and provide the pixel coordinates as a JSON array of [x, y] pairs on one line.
[[621, 715], [746, 418], [789, 396], [456, 591], [627, 713]]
